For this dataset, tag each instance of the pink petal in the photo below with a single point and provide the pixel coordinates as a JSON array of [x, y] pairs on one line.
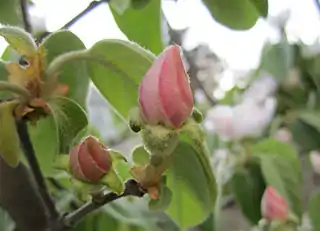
[[74, 164], [88, 165], [273, 205], [174, 88], [149, 100]]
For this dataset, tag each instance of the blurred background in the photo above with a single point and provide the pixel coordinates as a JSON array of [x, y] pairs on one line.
[[246, 83]]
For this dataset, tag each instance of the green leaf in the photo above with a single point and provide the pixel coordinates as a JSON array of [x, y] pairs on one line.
[[248, 186], [120, 5], [3, 77], [10, 12], [306, 136], [119, 71], [281, 169], [237, 14], [75, 73], [10, 54], [9, 139], [45, 140], [163, 202], [70, 118], [142, 25], [19, 40], [140, 156], [314, 210], [277, 59], [311, 118], [193, 193]]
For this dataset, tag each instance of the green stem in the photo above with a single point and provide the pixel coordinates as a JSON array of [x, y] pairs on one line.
[[217, 207], [6, 86]]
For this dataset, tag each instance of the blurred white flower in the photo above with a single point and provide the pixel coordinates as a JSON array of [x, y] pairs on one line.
[[315, 161], [247, 119], [284, 135], [37, 20], [261, 89], [223, 163]]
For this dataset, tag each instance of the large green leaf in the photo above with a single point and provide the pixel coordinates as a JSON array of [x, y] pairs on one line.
[[193, 192], [118, 72], [74, 74], [71, 119], [281, 169], [10, 12], [45, 140], [248, 186], [237, 14], [142, 25], [314, 210], [277, 59], [54, 135]]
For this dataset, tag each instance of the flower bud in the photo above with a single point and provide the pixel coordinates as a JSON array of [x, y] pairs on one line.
[[273, 205], [165, 95], [90, 160]]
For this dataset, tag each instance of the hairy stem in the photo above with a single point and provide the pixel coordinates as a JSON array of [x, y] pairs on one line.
[[132, 188], [35, 168]]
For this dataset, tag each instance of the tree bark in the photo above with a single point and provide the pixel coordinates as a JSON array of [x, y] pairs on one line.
[[20, 198]]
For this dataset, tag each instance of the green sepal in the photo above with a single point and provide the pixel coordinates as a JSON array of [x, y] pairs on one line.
[[116, 156], [9, 138], [159, 140], [197, 115], [61, 162], [113, 182]]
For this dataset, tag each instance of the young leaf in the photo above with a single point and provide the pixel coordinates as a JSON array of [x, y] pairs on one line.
[[235, 14], [118, 71], [248, 185], [75, 73], [20, 40], [135, 23], [281, 169], [9, 139], [314, 210], [311, 118]]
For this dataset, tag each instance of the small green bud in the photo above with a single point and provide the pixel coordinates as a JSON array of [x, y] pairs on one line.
[[197, 115], [135, 121]]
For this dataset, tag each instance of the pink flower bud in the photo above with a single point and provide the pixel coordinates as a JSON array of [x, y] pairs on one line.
[[165, 94], [315, 161], [90, 160], [273, 205]]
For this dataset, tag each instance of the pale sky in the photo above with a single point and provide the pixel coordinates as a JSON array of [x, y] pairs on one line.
[[240, 49]]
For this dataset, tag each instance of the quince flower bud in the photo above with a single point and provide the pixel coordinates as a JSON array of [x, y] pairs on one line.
[[90, 160], [165, 94]]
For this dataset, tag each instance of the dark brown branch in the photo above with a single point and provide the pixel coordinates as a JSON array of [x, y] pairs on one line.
[[25, 15], [75, 19], [132, 188], [35, 168], [20, 197]]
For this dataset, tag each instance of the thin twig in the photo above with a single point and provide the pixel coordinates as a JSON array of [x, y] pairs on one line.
[[25, 15], [26, 143], [75, 19], [132, 188]]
